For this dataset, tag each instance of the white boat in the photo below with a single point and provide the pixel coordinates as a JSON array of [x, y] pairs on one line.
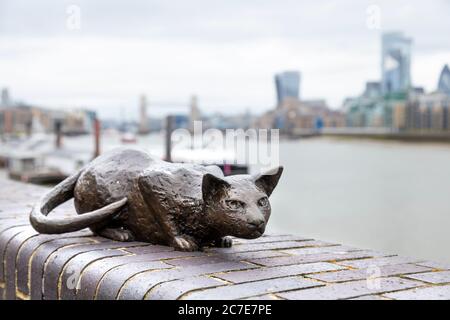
[[128, 137]]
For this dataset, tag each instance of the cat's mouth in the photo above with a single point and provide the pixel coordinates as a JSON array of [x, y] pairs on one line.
[[255, 230], [255, 234]]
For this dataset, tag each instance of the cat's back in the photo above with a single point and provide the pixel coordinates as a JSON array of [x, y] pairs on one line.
[[175, 182], [109, 177]]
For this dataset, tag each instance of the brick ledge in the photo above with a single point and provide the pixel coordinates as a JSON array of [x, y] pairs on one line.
[[83, 266]]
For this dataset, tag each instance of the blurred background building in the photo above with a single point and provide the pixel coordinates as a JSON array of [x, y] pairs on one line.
[[294, 116], [444, 80], [144, 126], [394, 103], [395, 62], [194, 114], [19, 119], [287, 85]]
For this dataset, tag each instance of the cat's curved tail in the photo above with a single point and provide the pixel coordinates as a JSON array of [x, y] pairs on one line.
[[60, 194]]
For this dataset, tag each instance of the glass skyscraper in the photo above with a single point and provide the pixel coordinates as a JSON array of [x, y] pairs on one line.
[[288, 85], [444, 80], [395, 63]]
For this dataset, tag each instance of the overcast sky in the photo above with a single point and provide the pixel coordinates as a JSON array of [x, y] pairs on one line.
[[224, 51]]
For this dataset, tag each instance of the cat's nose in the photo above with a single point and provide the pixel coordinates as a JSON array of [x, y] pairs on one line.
[[258, 223]]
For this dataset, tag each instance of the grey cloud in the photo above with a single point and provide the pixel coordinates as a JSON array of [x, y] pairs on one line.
[[227, 20]]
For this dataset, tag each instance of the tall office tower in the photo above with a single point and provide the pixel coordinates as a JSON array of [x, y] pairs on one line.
[[395, 62], [143, 124], [444, 80], [5, 100], [288, 85]]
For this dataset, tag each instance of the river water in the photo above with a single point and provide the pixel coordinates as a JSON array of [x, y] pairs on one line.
[[382, 195], [388, 196]]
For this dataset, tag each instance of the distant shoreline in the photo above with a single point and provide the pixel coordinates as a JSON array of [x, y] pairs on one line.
[[423, 138], [394, 136]]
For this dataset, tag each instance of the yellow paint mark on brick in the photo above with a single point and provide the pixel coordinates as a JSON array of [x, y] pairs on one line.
[[274, 296], [22, 296], [219, 279]]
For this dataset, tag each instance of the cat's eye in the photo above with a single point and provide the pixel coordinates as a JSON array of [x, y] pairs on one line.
[[234, 204], [263, 202]]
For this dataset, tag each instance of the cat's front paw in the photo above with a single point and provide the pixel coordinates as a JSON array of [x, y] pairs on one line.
[[184, 244], [224, 242]]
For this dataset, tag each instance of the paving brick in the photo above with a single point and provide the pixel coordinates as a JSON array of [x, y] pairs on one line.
[[369, 297], [320, 250], [244, 290], [17, 210], [70, 275], [276, 272], [196, 261], [352, 289], [169, 254], [435, 265], [272, 238], [138, 286], [5, 238], [7, 219], [218, 257], [269, 246], [252, 255], [133, 265], [113, 280], [298, 259], [58, 260], [427, 293], [377, 262], [172, 290], [263, 297], [91, 276], [149, 249], [437, 277], [26, 252], [10, 261], [38, 260], [61, 260], [359, 274]]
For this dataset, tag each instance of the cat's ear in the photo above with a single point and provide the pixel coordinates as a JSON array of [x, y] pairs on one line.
[[268, 180], [212, 185]]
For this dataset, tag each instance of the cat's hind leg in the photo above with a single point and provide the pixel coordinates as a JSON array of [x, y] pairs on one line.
[[117, 234]]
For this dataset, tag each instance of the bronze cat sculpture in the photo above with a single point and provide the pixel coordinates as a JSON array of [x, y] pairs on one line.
[[128, 195]]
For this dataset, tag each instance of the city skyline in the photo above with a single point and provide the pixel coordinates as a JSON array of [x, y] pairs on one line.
[[171, 52]]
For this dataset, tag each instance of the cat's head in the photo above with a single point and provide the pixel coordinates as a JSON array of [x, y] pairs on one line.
[[239, 205]]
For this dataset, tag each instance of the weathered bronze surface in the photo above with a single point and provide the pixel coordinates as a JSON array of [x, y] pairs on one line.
[[128, 195]]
